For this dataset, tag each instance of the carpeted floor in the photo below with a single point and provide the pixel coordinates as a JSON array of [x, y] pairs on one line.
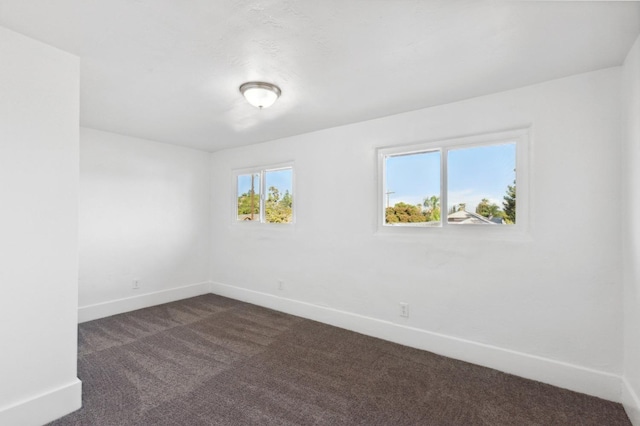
[[210, 360]]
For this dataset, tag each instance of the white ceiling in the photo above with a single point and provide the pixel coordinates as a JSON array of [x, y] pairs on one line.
[[169, 70]]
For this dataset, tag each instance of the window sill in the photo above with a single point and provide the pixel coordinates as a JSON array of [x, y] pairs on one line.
[[511, 233]]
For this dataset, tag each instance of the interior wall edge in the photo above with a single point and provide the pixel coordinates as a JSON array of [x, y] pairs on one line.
[[631, 402], [577, 378], [119, 306], [45, 407]]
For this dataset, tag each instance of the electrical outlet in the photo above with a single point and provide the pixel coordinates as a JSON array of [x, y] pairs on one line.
[[135, 284], [280, 285], [404, 310]]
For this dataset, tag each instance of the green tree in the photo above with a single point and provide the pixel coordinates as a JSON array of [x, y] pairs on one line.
[[489, 210], [246, 205], [274, 195], [432, 208], [404, 213], [390, 215], [278, 210], [509, 204], [287, 199]]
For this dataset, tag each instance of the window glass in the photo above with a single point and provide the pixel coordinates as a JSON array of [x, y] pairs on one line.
[[481, 183], [248, 193], [412, 189], [278, 206], [469, 180], [265, 195]]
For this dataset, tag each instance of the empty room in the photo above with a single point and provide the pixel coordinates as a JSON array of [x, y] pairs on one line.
[[356, 212]]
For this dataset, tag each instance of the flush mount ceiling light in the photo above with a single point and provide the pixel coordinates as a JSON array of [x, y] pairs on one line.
[[259, 94]]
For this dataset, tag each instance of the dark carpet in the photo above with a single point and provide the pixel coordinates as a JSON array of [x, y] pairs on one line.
[[210, 360]]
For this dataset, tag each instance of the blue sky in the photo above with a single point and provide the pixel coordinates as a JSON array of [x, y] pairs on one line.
[[413, 177], [281, 179], [473, 174]]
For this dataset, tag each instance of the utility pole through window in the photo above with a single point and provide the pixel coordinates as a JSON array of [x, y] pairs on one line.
[[387, 194]]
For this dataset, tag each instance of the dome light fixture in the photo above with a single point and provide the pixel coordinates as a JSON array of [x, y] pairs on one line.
[[260, 94]]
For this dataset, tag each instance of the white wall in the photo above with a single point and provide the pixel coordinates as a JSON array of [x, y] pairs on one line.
[[631, 231], [548, 306], [38, 231], [145, 215]]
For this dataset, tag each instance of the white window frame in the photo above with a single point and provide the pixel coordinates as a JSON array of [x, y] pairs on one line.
[[262, 170], [521, 137]]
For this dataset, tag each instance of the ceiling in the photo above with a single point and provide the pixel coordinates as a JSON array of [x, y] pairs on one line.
[[169, 70]]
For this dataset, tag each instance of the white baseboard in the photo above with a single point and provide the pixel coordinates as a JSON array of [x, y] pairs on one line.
[[44, 408], [119, 306], [631, 402], [569, 376]]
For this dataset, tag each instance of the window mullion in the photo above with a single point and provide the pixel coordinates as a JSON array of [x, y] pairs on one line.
[[444, 201], [382, 211], [263, 217]]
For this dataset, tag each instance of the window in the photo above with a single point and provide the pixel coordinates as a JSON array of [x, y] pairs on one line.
[[467, 181], [265, 195], [412, 195]]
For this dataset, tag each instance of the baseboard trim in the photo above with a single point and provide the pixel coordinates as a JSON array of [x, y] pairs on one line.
[[631, 402], [119, 306], [565, 375], [44, 408]]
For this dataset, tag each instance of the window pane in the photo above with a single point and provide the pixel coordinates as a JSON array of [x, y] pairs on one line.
[[249, 197], [481, 185], [412, 195], [278, 206]]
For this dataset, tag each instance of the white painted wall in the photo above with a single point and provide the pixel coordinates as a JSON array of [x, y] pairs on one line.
[[38, 231], [145, 215], [631, 231], [548, 306]]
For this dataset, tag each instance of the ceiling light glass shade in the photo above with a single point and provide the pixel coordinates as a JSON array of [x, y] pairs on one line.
[[260, 95]]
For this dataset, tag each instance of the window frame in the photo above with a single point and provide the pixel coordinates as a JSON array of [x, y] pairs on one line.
[[262, 170], [521, 137]]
